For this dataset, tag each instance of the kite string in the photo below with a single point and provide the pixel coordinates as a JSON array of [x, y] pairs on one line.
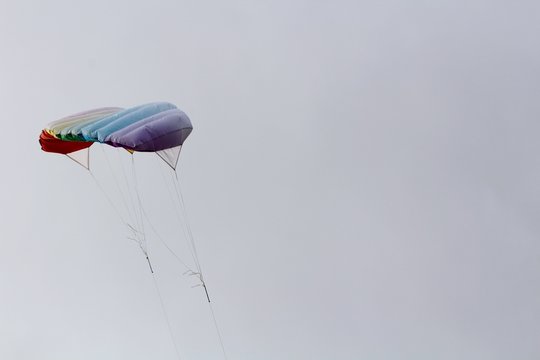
[[128, 187], [143, 240], [180, 197], [218, 331], [178, 215], [140, 218], [163, 308], [117, 183], [145, 250], [108, 198], [138, 230], [152, 227]]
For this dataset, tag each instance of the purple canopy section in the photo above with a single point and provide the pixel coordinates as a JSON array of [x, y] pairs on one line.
[[161, 131]]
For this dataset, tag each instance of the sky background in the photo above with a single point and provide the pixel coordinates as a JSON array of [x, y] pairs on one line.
[[363, 180]]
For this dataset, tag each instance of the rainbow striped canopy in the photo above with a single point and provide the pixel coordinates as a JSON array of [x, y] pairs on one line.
[[156, 127]]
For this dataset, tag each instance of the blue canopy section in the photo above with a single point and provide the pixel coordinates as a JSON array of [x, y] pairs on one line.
[[100, 129]]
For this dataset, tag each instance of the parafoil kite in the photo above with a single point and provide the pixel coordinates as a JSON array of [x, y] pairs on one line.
[[156, 127]]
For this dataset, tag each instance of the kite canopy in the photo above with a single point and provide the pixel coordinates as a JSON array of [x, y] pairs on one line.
[[156, 127]]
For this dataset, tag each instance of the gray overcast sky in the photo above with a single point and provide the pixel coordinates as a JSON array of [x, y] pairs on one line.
[[363, 180]]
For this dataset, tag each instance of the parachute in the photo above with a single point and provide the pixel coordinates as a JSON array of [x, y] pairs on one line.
[[158, 127]]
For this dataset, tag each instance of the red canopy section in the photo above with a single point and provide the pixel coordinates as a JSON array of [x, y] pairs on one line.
[[51, 144]]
